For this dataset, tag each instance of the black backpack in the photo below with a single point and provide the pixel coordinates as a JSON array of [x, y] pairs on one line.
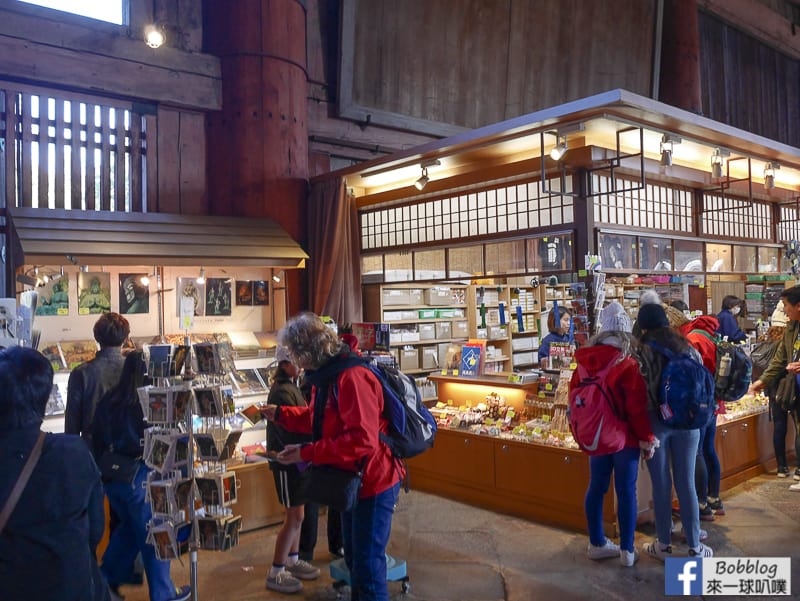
[[734, 369]]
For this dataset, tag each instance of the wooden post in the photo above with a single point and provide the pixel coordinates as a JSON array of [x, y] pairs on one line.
[[679, 83], [258, 142]]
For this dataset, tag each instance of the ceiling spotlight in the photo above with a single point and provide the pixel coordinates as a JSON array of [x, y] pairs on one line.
[[276, 279], [154, 36], [424, 179], [560, 149], [145, 280], [769, 174], [201, 279], [716, 163], [667, 147]]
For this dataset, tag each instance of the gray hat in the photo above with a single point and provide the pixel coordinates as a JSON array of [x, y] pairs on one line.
[[614, 319]]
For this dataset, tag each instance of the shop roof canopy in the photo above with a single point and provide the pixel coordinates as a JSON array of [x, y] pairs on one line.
[[54, 237], [615, 127]]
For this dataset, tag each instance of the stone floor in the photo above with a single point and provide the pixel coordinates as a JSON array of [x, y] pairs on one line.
[[459, 553]]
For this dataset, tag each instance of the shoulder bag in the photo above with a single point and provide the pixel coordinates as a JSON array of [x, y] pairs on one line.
[[786, 393], [22, 481], [334, 487], [115, 467]]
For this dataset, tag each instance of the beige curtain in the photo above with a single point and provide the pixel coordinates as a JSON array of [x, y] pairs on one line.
[[335, 264]]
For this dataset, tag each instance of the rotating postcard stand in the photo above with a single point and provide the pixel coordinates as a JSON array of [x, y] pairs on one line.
[[190, 492], [218, 528]]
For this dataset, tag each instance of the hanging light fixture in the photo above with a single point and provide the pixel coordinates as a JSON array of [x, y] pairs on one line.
[[716, 163], [201, 279], [560, 149], [667, 147], [154, 35], [424, 179], [769, 174]]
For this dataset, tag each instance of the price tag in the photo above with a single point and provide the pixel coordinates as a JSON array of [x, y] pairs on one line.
[[573, 366], [548, 386], [541, 394], [545, 418], [515, 378]]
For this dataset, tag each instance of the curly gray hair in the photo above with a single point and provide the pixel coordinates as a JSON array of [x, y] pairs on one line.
[[311, 344]]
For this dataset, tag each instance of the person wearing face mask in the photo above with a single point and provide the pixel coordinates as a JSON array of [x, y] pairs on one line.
[[731, 306]]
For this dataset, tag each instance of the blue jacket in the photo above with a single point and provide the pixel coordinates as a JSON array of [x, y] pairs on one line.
[[544, 348], [729, 327], [47, 547]]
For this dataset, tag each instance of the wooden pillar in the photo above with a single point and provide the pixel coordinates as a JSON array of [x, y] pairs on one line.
[[679, 82], [258, 142]]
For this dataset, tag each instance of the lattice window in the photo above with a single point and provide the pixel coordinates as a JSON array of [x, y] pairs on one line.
[[789, 225], [497, 211], [729, 217], [73, 153], [653, 207]]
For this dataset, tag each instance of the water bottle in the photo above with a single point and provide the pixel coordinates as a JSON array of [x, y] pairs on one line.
[[724, 370]]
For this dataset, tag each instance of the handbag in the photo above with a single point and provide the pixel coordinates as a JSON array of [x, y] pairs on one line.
[[22, 481], [334, 487], [762, 353], [115, 467], [786, 393]]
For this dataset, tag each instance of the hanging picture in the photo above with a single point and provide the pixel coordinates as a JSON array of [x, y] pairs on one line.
[[94, 293], [244, 292], [54, 297], [134, 296], [260, 292], [189, 288], [218, 296]]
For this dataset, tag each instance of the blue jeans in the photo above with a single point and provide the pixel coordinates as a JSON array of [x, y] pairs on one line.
[[128, 539], [707, 478], [625, 466], [678, 448], [365, 532]]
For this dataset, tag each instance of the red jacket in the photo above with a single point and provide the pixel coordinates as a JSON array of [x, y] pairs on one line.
[[351, 425], [703, 344], [626, 385]]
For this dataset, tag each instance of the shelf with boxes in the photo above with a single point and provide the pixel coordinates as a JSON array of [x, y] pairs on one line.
[[762, 293], [525, 328], [489, 320]]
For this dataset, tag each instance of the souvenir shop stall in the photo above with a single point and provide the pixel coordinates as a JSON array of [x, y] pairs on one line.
[[204, 297], [469, 244]]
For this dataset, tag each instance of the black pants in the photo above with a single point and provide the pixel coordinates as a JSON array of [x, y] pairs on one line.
[[308, 531]]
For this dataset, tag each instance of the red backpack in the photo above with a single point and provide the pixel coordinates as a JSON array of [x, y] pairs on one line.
[[593, 417]]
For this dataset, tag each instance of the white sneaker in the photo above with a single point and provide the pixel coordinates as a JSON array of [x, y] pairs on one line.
[[303, 570], [284, 582], [795, 487], [701, 551], [609, 549], [628, 558], [656, 551]]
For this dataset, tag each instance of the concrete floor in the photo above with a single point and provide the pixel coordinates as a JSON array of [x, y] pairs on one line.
[[459, 553]]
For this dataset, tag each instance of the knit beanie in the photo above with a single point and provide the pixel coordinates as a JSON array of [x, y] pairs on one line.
[[652, 316], [648, 297], [675, 317], [614, 319]]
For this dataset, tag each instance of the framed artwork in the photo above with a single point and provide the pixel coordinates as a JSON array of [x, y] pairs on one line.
[[260, 292], [244, 292], [94, 293], [189, 288], [54, 297], [655, 253], [134, 297], [617, 251], [218, 296]]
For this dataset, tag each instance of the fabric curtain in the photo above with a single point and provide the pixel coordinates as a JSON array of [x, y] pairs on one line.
[[335, 264]]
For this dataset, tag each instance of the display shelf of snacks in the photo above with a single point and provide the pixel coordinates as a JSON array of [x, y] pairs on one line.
[[498, 441], [747, 405]]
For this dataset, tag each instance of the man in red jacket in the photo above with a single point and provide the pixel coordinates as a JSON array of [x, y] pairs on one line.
[[700, 333], [345, 418]]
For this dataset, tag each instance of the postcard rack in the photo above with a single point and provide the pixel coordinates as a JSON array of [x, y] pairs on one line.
[[187, 445]]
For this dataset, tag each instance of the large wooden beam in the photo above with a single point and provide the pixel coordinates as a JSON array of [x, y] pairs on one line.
[[106, 59]]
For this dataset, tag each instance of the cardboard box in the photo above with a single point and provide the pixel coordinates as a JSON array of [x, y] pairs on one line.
[[430, 357], [518, 359], [459, 329], [441, 351], [415, 297], [497, 332], [396, 297], [409, 359], [446, 313], [443, 330], [427, 331], [438, 296], [522, 344], [427, 313]]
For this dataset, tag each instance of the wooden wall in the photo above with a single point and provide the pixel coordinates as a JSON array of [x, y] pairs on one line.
[[748, 84], [469, 63]]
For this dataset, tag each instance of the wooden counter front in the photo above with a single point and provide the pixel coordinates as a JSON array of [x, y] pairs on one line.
[[257, 500]]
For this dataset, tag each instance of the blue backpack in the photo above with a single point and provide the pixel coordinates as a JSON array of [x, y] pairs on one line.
[[686, 392], [412, 428]]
